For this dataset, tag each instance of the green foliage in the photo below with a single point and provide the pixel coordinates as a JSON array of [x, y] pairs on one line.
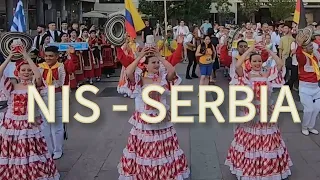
[[249, 7], [189, 10], [281, 9], [153, 8], [222, 6]]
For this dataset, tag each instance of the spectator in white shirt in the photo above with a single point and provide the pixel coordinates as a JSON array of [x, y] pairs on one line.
[[181, 30]]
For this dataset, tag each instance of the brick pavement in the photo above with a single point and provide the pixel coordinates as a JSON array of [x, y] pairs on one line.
[[93, 150]]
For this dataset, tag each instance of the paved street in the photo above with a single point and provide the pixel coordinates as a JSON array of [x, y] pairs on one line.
[[92, 151]]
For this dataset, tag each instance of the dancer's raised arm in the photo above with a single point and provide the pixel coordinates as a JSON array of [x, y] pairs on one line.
[[132, 67], [170, 69], [5, 63], [34, 68], [239, 68], [278, 60]]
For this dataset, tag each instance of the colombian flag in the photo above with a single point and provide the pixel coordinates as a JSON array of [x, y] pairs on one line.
[[300, 15], [133, 21]]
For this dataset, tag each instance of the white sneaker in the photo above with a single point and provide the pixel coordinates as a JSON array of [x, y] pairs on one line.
[[314, 131], [305, 132], [57, 156]]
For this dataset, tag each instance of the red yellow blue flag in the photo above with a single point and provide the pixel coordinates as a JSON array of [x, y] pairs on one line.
[[300, 15], [133, 22]]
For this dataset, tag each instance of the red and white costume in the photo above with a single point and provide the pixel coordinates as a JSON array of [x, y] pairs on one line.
[[309, 90], [24, 153], [174, 59], [55, 132], [152, 151], [258, 151]]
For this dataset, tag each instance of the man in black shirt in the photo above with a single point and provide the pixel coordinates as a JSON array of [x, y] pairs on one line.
[[148, 30]]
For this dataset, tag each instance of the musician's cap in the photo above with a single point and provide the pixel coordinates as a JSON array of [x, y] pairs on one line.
[[64, 22], [53, 49], [9, 38], [52, 22]]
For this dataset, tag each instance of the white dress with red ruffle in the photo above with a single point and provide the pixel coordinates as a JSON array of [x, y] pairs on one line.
[[152, 151], [258, 151], [23, 149]]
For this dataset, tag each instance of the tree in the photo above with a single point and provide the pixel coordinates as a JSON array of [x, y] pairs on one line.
[[195, 10], [153, 8], [281, 9], [249, 8], [223, 9], [188, 10]]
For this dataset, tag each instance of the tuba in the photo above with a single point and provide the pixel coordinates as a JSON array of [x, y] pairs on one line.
[[115, 29]]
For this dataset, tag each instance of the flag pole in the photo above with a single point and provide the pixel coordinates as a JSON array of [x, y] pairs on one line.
[[165, 16]]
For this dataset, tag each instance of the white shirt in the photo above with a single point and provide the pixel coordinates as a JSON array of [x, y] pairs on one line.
[[65, 31], [188, 38], [222, 39], [184, 30], [52, 36], [294, 57], [34, 46], [275, 38]]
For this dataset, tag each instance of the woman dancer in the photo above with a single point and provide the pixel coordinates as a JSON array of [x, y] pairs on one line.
[[207, 53], [23, 151], [258, 150], [153, 151]]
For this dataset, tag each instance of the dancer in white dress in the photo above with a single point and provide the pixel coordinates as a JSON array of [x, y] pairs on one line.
[[152, 151]]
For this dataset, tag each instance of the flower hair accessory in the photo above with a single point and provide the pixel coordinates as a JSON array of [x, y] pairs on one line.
[[18, 66]]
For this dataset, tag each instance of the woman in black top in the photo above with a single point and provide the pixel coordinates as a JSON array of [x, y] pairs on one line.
[[216, 64]]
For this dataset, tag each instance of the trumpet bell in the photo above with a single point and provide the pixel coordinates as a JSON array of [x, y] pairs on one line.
[[115, 30]]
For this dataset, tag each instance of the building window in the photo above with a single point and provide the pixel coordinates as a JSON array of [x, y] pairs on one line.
[[111, 1], [32, 14]]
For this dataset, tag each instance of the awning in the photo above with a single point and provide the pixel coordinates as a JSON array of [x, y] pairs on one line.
[[94, 14]]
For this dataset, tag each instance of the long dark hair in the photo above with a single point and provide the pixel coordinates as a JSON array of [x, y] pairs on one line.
[[43, 39], [203, 46]]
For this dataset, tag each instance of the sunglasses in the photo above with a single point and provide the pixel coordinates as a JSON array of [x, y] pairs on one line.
[[243, 46]]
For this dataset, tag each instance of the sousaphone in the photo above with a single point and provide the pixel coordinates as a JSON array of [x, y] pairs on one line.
[[233, 36], [308, 32], [115, 29]]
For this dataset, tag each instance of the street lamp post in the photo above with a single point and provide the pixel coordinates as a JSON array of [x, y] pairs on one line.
[[165, 16]]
